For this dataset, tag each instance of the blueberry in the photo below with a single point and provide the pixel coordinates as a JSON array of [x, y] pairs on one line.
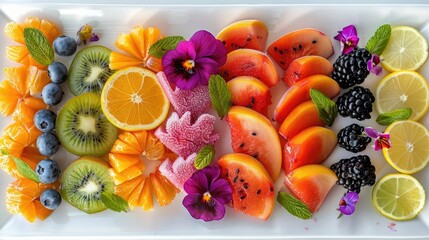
[[48, 144], [52, 94], [50, 199], [47, 170], [44, 120], [65, 46], [57, 72]]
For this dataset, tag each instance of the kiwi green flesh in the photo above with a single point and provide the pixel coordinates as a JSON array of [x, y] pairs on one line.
[[89, 70], [82, 184], [83, 129]]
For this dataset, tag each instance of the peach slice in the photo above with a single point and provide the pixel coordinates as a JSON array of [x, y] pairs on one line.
[[244, 34], [306, 66], [311, 184], [311, 146], [300, 92], [251, 93], [253, 134], [305, 115], [249, 62], [302, 42]]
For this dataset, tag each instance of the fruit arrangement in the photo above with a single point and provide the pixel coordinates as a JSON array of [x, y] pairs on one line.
[[142, 120]]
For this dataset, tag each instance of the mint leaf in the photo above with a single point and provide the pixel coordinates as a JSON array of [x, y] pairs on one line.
[[204, 157], [293, 205], [23, 168], [220, 95], [114, 202], [38, 46], [326, 107], [395, 115], [378, 42], [160, 47]]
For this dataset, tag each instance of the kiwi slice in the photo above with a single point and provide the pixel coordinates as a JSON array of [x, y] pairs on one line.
[[89, 70], [84, 181], [82, 128]]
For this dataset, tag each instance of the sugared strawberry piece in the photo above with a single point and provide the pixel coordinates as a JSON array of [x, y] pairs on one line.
[[196, 100], [184, 137], [179, 171]]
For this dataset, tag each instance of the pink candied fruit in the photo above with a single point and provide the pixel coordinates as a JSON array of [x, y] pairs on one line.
[[184, 137], [196, 100], [179, 171]]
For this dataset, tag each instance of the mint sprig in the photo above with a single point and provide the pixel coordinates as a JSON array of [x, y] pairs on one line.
[[378, 42], [293, 205], [220, 95], [23, 168], [160, 47], [395, 115], [204, 157], [38, 46], [114, 202], [326, 108]]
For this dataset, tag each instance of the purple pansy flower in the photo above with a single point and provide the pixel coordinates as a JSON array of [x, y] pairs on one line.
[[194, 61], [347, 204], [348, 39], [382, 140], [85, 34], [374, 65], [207, 194]]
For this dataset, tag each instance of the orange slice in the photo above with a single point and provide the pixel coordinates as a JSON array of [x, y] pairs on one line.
[[136, 44], [133, 100]]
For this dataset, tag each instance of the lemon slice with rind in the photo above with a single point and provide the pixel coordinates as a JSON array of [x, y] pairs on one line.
[[403, 89], [398, 196], [407, 49], [409, 151]]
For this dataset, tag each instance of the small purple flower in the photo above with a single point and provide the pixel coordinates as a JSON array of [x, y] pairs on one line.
[[347, 203], [348, 39], [85, 34], [382, 140], [207, 194], [374, 65], [194, 61]]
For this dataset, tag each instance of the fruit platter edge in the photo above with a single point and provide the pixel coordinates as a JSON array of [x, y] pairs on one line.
[[173, 220]]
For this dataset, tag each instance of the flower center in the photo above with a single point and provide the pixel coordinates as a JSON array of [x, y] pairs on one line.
[[188, 66], [207, 198], [342, 202]]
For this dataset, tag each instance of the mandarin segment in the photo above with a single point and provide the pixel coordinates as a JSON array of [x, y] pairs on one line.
[[146, 199], [15, 31], [136, 45]]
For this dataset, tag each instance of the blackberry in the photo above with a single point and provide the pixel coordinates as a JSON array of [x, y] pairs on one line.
[[356, 103], [351, 138], [354, 173], [351, 69]]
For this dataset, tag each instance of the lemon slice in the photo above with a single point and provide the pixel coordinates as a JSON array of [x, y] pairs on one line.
[[133, 100], [398, 196], [403, 89], [407, 49], [409, 152]]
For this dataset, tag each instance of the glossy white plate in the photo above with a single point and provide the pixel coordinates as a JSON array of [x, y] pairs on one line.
[[173, 221]]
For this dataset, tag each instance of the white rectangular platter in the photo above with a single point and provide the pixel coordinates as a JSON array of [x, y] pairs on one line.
[[173, 221]]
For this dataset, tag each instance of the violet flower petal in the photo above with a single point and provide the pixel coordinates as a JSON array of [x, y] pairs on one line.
[[221, 190], [206, 45], [200, 209], [347, 209], [347, 48], [374, 65], [188, 49], [212, 174], [371, 132], [352, 197], [196, 184], [94, 38], [205, 67], [349, 31]]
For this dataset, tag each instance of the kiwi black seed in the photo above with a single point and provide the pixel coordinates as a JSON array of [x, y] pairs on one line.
[[83, 182], [89, 70], [83, 129]]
